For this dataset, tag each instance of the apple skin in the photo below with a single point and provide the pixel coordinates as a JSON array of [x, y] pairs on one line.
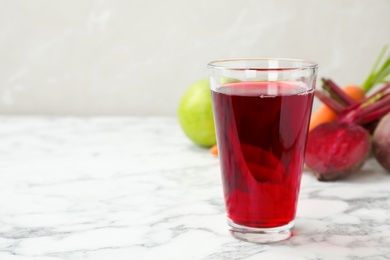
[[195, 114]]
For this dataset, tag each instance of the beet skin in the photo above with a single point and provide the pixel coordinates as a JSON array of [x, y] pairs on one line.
[[381, 142], [335, 150]]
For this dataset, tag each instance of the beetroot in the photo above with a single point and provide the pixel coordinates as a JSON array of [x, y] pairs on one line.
[[337, 149], [381, 142]]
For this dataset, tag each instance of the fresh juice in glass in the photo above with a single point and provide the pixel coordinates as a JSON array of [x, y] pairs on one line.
[[261, 130]]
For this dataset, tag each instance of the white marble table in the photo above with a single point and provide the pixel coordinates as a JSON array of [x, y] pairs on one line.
[[136, 188]]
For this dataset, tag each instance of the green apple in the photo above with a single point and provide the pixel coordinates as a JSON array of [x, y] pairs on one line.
[[195, 114]]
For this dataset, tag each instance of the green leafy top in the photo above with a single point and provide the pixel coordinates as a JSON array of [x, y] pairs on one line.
[[380, 72]]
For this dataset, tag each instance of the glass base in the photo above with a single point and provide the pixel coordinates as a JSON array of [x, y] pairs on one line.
[[260, 235]]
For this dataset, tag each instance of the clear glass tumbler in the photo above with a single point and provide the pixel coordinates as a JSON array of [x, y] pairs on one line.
[[262, 111]]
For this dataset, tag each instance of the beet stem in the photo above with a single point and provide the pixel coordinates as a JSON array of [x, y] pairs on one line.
[[338, 92], [331, 103], [366, 113], [383, 101], [375, 110], [380, 93], [374, 115]]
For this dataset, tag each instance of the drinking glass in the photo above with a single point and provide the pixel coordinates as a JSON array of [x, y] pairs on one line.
[[262, 111]]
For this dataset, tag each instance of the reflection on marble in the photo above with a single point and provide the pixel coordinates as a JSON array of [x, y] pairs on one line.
[[136, 188]]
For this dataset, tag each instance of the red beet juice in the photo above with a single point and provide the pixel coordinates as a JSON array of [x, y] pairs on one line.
[[261, 130]]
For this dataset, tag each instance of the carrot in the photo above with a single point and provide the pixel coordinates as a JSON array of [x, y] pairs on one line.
[[355, 92], [214, 150], [326, 115]]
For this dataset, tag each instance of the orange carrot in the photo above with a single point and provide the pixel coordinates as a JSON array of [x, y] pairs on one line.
[[325, 115], [355, 92], [214, 150]]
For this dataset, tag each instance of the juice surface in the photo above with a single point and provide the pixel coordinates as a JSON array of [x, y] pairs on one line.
[[261, 134]]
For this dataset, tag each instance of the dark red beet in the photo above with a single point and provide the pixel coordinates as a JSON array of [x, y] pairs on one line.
[[381, 142], [335, 150]]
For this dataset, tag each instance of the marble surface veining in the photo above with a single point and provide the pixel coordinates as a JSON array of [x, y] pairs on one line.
[[136, 188]]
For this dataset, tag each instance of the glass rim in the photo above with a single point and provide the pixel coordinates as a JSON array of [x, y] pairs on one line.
[[305, 64]]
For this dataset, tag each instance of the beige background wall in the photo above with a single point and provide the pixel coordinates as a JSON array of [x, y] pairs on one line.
[[137, 57]]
